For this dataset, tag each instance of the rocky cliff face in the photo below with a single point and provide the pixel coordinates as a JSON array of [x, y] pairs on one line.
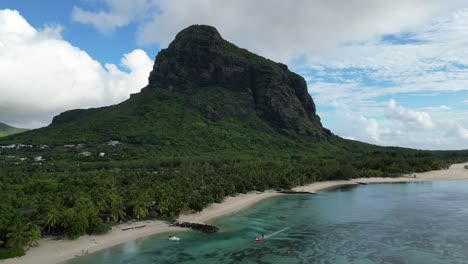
[[199, 57]]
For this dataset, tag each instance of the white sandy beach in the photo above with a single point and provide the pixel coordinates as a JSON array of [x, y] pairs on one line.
[[56, 251], [455, 172], [52, 251]]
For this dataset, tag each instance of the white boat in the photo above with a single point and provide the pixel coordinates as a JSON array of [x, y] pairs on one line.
[[174, 238], [259, 239]]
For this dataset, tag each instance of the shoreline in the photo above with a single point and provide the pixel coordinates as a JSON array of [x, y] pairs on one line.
[[454, 172], [51, 250]]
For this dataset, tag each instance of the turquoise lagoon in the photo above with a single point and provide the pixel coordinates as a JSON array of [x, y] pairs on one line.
[[412, 223]]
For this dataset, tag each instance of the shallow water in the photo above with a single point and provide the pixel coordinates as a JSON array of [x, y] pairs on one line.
[[410, 223]]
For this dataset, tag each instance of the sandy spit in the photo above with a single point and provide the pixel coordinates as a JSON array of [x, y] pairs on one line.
[[455, 172]]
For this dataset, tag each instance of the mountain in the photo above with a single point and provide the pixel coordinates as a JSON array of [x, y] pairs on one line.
[[200, 57], [6, 130], [204, 94]]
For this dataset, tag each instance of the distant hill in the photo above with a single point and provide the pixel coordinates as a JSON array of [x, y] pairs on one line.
[[6, 130]]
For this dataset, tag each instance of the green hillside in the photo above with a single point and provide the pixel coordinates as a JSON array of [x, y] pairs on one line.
[[6, 130], [178, 124], [162, 124]]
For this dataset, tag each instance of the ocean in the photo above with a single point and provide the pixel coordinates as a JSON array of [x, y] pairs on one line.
[[424, 222]]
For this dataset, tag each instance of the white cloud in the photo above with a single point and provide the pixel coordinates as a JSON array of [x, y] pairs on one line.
[[122, 83], [434, 66], [120, 13], [425, 94], [435, 62], [371, 128], [462, 132], [354, 126], [281, 30], [451, 133], [42, 75], [394, 125], [436, 108], [414, 119]]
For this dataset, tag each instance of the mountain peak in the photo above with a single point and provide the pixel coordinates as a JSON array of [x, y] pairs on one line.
[[199, 57], [202, 35]]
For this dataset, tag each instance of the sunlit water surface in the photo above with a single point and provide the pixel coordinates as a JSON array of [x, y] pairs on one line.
[[410, 223]]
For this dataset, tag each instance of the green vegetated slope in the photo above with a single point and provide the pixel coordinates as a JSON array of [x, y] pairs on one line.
[[163, 123], [174, 124], [6, 130], [214, 120]]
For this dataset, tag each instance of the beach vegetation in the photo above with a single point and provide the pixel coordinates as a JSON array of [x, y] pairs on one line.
[[6, 253], [100, 229]]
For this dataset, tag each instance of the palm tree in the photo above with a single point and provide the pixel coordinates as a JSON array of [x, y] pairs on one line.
[[141, 202], [54, 219], [34, 235], [17, 235], [102, 205], [102, 201], [140, 210], [117, 208]]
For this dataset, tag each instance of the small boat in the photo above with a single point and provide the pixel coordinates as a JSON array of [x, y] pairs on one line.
[[259, 239], [174, 238]]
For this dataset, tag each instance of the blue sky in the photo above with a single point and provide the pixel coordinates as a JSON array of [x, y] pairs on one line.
[[102, 47], [383, 72]]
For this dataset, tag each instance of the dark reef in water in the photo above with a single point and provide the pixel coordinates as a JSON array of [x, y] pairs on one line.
[[199, 227]]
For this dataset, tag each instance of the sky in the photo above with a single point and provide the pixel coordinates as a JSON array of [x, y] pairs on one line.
[[392, 73]]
